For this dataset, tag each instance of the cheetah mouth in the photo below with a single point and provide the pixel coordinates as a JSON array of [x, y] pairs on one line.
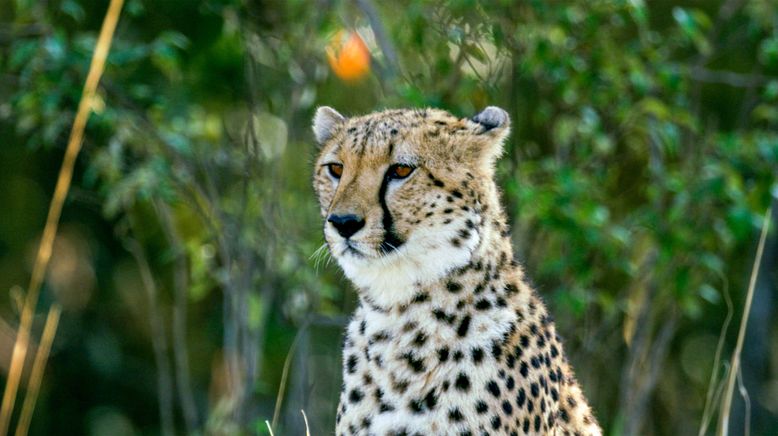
[[351, 249]]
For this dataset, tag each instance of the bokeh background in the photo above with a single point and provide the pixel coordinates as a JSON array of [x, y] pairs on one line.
[[643, 159]]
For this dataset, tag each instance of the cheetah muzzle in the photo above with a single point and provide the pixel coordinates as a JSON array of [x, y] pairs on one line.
[[448, 337]]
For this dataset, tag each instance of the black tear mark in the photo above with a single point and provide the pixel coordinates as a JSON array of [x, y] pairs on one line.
[[391, 241]]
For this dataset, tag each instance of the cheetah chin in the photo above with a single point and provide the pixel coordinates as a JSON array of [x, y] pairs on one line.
[[448, 337]]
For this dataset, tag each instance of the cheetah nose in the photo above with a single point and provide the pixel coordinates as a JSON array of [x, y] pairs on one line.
[[346, 225]]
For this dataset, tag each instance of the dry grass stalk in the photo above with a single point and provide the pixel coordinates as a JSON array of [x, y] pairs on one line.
[[726, 402], [55, 210], [285, 374], [38, 367]]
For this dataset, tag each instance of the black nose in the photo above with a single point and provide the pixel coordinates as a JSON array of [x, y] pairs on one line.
[[346, 225]]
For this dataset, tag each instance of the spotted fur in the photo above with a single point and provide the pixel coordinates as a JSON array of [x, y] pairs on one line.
[[448, 338]]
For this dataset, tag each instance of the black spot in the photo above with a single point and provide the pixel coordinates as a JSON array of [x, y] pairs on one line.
[[521, 397], [496, 350], [483, 304], [448, 210], [493, 388], [534, 390], [563, 414], [511, 289], [443, 354], [458, 355], [400, 386], [362, 326], [478, 355], [351, 364], [453, 287], [535, 362], [430, 400], [456, 194], [421, 297], [355, 396], [378, 337], [537, 423], [481, 407], [464, 326], [455, 415], [416, 406], [416, 364], [496, 422], [420, 339], [438, 183], [525, 427], [462, 382], [507, 408], [524, 341], [510, 383], [524, 369]]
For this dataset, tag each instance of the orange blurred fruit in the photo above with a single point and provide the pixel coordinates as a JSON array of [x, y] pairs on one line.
[[348, 56]]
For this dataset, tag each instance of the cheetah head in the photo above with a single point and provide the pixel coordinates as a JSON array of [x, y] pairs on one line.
[[403, 193]]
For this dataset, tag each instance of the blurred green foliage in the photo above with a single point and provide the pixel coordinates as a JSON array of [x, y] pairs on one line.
[[643, 156]]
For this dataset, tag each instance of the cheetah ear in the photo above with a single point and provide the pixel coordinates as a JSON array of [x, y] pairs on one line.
[[492, 118], [325, 122], [492, 126]]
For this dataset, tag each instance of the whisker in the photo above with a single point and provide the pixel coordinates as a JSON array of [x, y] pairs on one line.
[[317, 256]]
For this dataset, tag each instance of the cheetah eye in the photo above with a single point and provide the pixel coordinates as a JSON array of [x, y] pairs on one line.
[[399, 171], [336, 170]]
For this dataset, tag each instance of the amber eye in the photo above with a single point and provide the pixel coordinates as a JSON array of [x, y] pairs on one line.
[[336, 170], [400, 171]]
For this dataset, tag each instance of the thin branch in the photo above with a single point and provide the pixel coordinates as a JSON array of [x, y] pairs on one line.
[[726, 402], [387, 48], [55, 210], [158, 338], [731, 78], [180, 348]]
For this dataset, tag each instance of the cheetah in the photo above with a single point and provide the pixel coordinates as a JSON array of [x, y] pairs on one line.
[[448, 337]]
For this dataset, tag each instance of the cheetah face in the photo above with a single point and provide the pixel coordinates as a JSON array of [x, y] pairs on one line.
[[402, 193]]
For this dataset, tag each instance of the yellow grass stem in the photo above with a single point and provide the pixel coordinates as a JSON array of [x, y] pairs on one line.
[[726, 402], [38, 367], [55, 210]]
